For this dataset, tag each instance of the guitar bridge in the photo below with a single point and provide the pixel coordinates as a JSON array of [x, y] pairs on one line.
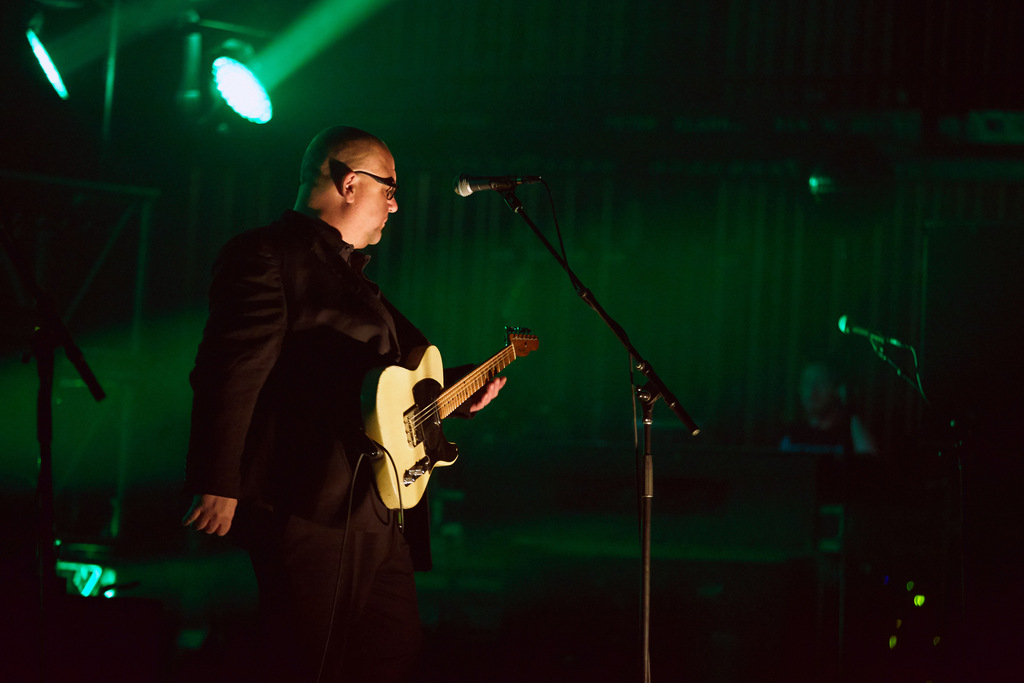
[[420, 468]]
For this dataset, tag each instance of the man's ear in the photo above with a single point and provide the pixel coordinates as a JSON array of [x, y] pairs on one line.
[[346, 189], [343, 178]]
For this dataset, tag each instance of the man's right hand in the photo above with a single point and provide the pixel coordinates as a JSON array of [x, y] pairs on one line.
[[210, 513]]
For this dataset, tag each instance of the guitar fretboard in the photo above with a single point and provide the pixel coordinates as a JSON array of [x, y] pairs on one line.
[[458, 393]]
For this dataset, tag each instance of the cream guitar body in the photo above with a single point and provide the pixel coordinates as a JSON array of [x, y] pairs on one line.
[[404, 417]]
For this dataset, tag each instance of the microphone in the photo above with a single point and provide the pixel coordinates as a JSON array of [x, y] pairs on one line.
[[466, 185], [846, 328]]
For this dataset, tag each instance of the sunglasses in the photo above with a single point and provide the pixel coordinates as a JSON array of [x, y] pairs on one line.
[[389, 182]]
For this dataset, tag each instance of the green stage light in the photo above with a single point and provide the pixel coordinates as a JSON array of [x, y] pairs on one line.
[[240, 88], [88, 579], [821, 184], [49, 68]]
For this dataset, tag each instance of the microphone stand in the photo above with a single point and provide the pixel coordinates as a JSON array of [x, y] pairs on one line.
[[954, 443], [649, 394], [50, 334], [647, 401]]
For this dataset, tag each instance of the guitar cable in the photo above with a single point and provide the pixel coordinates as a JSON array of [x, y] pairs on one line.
[[341, 554], [341, 565], [398, 487]]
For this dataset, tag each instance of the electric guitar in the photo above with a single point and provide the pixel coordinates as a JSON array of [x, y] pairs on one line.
[[404, 420]]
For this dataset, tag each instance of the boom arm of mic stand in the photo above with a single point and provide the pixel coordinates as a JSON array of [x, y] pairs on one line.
[[656, 385]]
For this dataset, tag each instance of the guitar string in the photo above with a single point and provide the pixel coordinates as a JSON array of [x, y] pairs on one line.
[[475, 378], [432, 408], [479, 374]]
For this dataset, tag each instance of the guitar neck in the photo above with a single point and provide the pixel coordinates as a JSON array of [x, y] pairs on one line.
[[458, 393]]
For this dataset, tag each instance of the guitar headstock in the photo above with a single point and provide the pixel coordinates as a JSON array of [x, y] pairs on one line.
[[520, 339]]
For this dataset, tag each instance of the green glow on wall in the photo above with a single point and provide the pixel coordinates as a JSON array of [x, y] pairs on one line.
[[88, 42], [320, 25]]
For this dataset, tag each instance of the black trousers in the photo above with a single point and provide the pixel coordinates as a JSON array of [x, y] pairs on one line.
[[317, 624]]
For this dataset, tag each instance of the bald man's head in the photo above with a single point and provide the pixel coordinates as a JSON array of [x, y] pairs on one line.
[[348, 180], [349, 145]]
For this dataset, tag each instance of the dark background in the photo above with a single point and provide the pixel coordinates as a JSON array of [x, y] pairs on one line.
[[677, 139]]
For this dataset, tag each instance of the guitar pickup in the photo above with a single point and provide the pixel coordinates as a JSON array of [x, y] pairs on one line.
[[413, 434], [416, 471], [414, 422]]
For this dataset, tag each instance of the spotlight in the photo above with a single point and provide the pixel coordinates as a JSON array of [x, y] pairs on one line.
[[820, 184], [849, 173], [224, 75], [238, 85], [88, 579], [49, 68]]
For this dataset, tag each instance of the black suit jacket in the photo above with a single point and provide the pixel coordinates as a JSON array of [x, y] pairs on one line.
[[294, 326]]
